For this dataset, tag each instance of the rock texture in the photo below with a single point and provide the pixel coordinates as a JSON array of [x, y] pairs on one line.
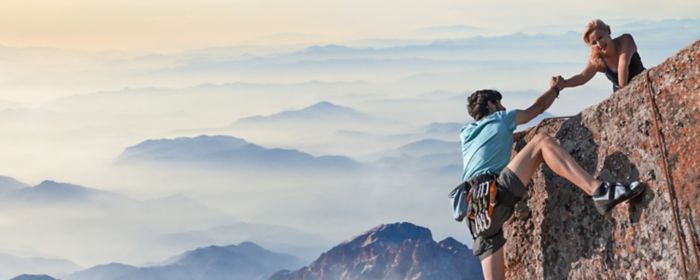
[[557, 234], [393, 251]]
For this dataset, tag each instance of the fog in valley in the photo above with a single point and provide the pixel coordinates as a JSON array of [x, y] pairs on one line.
[[135, 157]]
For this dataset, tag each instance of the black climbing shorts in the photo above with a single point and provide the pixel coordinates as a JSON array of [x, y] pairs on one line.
[[487, 243]]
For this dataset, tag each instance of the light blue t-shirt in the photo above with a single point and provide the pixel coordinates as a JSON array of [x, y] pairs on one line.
[[487, 144]]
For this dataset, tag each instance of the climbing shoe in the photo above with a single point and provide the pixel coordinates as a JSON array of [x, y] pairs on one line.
[[608, 195]]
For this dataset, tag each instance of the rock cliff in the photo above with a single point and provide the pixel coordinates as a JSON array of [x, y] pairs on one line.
[[651, 123]]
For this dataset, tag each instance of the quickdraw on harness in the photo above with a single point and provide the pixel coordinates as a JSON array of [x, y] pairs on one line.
[[481, 199], [475, 200]]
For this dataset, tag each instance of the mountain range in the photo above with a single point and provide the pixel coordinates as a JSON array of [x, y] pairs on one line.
[[243, 261], [33, 277], [388, 251], [276, 238], [10, 184], [392, 251], [230, 151], [12, 266], [322, 111], [109, 223], [50, 192]]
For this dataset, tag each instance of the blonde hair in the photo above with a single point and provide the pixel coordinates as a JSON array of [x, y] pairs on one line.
[[594, 25]]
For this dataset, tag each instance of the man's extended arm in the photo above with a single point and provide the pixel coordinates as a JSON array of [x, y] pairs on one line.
[[541, 104]]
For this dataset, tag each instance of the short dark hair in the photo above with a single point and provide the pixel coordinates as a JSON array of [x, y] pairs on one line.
[[478, 102]]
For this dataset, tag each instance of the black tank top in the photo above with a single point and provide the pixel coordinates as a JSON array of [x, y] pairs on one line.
[[634, 69]]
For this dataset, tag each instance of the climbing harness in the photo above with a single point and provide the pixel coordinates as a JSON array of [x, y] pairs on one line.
[[481, 200], [475, 199]]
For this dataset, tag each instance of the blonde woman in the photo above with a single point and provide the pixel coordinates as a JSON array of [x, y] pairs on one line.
[[617, 58]]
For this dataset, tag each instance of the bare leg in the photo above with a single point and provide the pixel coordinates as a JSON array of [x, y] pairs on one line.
[[541, 148], [544, 148], [493, 266]]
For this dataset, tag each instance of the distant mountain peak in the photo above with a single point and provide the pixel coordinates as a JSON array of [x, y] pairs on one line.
[[324, 104], [50, 191], [388, 235], [244, 261], [111, 270], [398, 232], [328, 107], [53, 186], [227, 138], [391, 251], [33, 268], [51, 183], [184, 147], [33, 277], [322, 111], [9, 184], [250, 245], [246, 248], [450, 242], [449, 239], [328, 49], [230, 151], [218, 139]]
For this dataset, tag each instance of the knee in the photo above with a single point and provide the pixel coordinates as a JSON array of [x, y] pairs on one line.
[[541, 137], [543, 140]]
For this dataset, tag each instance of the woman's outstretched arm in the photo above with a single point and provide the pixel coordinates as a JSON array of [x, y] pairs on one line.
[[581, 78]]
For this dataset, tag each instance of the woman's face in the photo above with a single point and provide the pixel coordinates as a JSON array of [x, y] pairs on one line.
[[600, 41]]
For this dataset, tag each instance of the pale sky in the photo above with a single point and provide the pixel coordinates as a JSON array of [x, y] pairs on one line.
[[159, 25]]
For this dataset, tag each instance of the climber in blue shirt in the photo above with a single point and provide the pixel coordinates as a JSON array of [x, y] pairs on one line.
[[496, 179]]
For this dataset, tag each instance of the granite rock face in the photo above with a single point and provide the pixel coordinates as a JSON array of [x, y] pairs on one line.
[[556, 232], [392, 251]]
